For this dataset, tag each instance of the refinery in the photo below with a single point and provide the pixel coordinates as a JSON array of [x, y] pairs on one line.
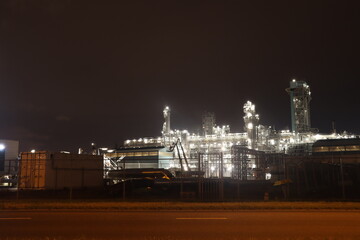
[[215, 164], [180, 149]]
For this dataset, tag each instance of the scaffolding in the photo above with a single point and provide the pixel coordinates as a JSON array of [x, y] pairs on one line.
[[248, 164]]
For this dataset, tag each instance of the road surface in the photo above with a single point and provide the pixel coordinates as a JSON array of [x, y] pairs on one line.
[[168, 225]]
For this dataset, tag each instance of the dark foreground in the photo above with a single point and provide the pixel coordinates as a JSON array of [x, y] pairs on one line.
[[180, 225]]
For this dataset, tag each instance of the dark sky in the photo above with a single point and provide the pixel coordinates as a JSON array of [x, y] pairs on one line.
[[76, 72]]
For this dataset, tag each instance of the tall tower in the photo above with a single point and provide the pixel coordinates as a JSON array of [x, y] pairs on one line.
[[166, 126], [251, 120], [300, 106], [208, 122]]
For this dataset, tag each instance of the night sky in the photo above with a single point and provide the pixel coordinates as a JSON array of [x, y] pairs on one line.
[[76, 72]]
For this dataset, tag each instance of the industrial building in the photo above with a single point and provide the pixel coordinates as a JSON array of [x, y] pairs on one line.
[[239, 153], [142, 157], [220, 164]]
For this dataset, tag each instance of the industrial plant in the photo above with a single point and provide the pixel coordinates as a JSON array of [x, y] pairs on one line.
[[180, 149], [300, 161], [216, 164]]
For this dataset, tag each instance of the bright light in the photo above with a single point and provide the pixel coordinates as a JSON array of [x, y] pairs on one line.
[[33, 151], [250, 126], [2, 147], [267, 176]]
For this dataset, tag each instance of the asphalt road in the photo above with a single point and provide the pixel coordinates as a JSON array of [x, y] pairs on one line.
[[152, 225]]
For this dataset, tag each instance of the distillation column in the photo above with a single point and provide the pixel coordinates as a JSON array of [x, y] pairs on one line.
[[300, 106], [166, 127], [208, 122], [251, 120]]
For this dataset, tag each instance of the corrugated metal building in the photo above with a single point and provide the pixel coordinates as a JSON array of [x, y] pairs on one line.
[[142, 157], [45, 170]]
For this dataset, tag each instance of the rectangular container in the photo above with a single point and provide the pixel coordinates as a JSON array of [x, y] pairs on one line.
[[45, 170]]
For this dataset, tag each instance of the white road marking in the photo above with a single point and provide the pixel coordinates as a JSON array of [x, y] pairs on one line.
[[201, 218], [19, 218]]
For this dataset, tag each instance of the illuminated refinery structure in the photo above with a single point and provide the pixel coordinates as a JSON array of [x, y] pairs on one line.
[[180, 146], [300, 106]]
